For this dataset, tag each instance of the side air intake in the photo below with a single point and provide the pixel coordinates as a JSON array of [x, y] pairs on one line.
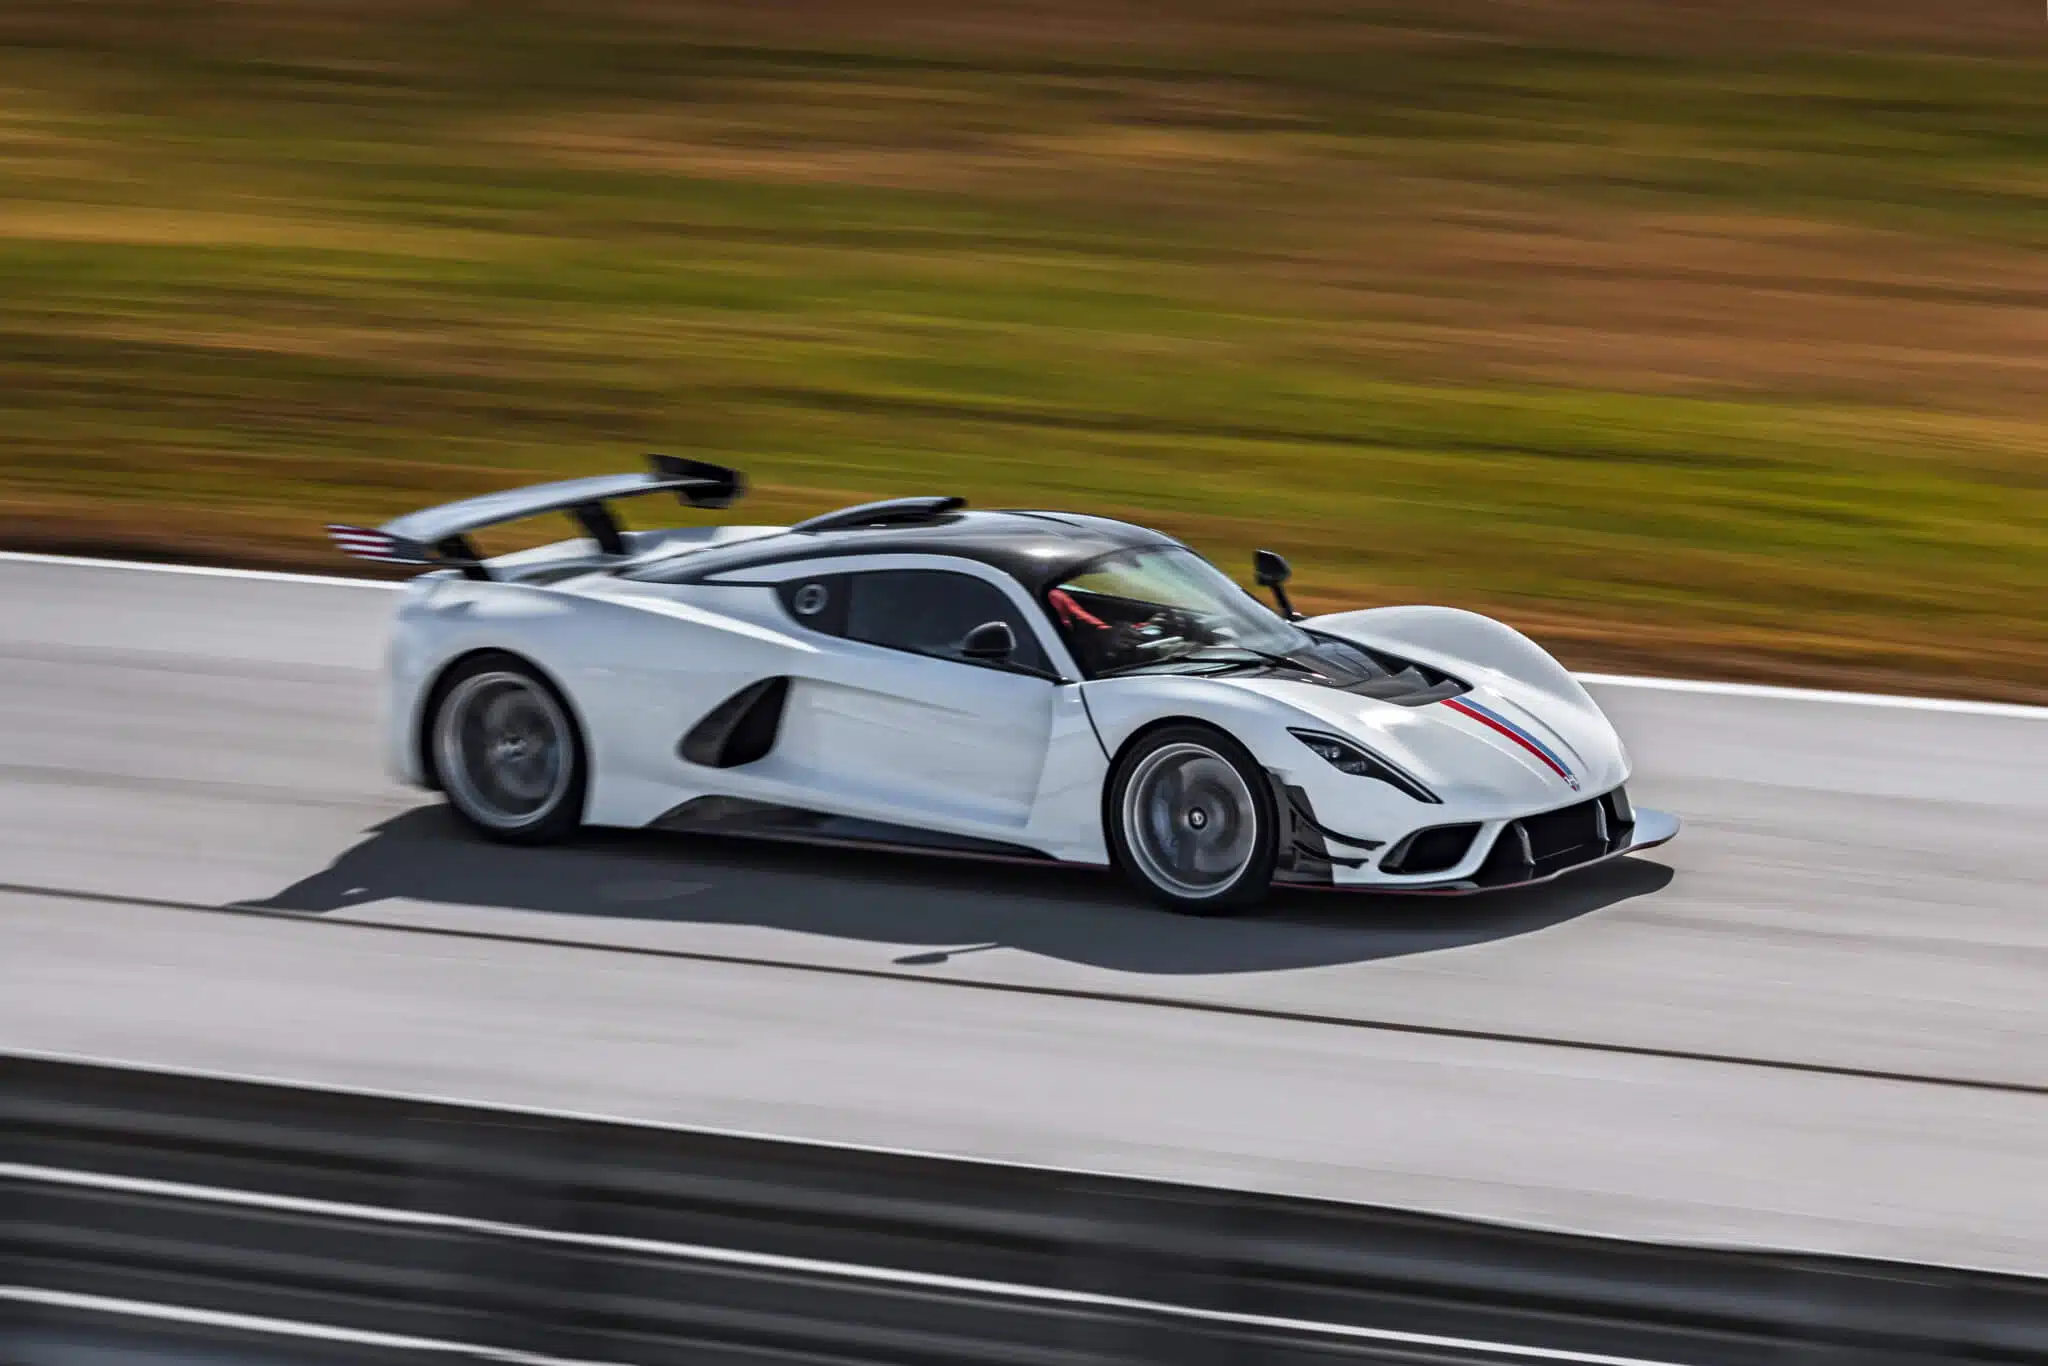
[[740, 729]]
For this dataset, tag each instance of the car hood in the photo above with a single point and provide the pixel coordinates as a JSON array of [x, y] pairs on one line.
[[1497, 746]]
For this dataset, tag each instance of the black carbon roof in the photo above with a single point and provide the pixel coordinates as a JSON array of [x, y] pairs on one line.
[[1038, 549]]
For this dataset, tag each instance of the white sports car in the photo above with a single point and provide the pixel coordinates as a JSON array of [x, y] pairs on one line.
[[1030, 685]]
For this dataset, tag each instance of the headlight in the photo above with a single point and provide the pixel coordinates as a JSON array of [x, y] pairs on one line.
[[1347, 756]]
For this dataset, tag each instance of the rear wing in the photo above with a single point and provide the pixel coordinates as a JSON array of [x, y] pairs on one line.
[[440, 535]]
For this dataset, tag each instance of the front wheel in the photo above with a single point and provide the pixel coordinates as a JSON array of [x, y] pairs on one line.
[[506, 752], [1191, 821]]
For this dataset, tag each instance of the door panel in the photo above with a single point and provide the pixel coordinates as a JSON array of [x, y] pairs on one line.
[[918, 734], [897, 727]]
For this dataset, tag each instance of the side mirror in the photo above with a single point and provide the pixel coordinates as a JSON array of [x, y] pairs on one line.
[[991, 642], [1272, 571]]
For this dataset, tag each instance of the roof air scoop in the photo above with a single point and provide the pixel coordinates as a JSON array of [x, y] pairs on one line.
[[888, 512]]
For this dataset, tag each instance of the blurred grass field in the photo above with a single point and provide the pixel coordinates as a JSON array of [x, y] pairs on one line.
[[1689, 339]]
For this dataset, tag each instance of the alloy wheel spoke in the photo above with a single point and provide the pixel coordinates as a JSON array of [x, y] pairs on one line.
[[1189, 819]]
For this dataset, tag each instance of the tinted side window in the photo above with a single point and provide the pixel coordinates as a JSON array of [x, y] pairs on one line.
[[930, 612], [818, 602]]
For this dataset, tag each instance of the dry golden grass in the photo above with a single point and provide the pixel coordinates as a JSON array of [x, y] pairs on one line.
[[1699, 338]]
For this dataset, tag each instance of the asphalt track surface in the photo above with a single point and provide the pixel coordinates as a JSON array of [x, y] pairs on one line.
[[1818, 1020]]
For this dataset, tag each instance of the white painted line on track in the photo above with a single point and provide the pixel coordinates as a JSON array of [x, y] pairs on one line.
[[1105, 1172], [270, 1327], [1764, 691], [1760, 691], [785, 1264], [202, 571]]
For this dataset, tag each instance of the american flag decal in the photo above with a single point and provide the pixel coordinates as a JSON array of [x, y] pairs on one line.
[[368, 543], [1493, 720]]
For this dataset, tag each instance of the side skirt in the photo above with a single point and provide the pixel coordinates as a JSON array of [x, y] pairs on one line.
[[743, 818], [747, 819]]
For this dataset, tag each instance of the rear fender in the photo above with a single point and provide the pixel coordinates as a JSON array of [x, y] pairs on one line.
[[637, 673]]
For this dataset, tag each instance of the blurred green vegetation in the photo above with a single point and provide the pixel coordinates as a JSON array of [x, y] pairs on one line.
[[1698, 346]]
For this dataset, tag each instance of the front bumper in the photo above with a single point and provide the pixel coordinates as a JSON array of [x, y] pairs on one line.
[[1651, 829], [1495, 854]]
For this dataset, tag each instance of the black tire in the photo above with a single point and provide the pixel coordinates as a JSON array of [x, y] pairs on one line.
[[506, 751], [1192, 821]]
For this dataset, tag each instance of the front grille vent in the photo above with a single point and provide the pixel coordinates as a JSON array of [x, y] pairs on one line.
[[1431, 851], [1555, 834], [1552, 841]]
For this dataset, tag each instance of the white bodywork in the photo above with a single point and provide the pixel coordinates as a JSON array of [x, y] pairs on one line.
[[883, 735]]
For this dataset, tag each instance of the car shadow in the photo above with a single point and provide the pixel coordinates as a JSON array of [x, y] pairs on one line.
[[941, 909]]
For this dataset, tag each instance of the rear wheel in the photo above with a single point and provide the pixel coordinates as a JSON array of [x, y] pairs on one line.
[[1191, 821], [506, 752]]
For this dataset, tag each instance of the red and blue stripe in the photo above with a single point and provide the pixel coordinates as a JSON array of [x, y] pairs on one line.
[[1493, 720]]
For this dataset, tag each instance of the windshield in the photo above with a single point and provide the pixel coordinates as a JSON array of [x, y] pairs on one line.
[[1164, 608]]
